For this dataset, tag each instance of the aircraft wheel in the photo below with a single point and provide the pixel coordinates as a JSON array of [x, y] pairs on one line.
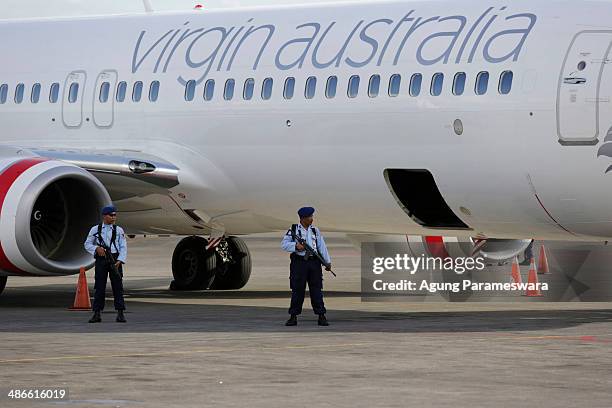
[[193, 267], [238, 272]]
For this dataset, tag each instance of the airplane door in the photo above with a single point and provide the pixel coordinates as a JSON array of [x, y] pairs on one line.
[[605, 99], [72, 99], [578, 97], [103, 99]]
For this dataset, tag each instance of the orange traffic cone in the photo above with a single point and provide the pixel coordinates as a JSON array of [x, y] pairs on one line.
[[81, 298], [543, 262], [516, 271], [533, 279]]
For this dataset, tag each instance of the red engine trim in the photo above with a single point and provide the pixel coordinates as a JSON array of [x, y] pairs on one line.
[[7, 178]]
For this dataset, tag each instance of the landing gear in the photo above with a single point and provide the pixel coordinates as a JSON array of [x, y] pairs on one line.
[[2, 283], [226, 267], [193, 267], [235, 270]]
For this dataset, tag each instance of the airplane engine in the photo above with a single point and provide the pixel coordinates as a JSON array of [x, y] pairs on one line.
[[493, 250], [46, 210]]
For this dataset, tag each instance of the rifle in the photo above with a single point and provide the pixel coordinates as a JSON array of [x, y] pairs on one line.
[[108, 256], [311, 252]]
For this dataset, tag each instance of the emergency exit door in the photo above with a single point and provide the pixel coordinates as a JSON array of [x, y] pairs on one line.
[[579, 98], [103, 99], [72, 99]]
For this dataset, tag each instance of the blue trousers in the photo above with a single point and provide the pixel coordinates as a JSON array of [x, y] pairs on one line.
[[302, 272], [103, 270]]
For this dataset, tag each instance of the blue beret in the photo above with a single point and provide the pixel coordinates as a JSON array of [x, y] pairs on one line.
[[306, 212], [109, 209]]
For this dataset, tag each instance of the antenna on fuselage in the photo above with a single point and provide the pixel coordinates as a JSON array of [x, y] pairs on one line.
[[147, 6]]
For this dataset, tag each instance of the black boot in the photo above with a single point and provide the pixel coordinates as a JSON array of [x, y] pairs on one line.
[[323, 320], [292, 321], [96, 317], [120, 317]]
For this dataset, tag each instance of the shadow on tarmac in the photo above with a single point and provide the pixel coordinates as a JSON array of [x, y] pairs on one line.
[[44, 310]]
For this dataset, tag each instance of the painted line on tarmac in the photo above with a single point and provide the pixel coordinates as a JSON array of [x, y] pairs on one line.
[[179, 353], [586, 338]]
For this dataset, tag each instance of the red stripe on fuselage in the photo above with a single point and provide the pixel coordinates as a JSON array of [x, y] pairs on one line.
[[7, 178]]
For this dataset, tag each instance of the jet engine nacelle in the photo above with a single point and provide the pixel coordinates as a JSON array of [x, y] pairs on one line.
[[46, 210], [491, 249]]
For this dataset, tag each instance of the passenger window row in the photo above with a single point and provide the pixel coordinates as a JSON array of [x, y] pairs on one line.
[[481, 86], [122, 91], [436, 87], [72, 95]]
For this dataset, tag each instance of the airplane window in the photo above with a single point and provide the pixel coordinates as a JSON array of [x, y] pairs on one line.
[[353, 88], [121, 91], [459, 83], [437, 80], [54, 92], [190, 87], [289, 88], [104, 91], [266, 90], [394, 84], [35, 97], [374, 86], [311, 87], [73, 92], [209, 89], [19, 91], [3, 93], [415, 84], [505, 82], [228, 94], [137, 91], [482, 83], [331, 87], [249, 89], [154, 91]]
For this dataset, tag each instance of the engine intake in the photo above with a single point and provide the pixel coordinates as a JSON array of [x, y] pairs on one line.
[[47, 209]]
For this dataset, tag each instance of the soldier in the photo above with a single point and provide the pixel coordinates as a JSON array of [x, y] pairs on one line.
[[108, 239], [528, 254], [306, 268]]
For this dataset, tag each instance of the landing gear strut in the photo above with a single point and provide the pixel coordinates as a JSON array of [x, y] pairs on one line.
[[235, 270], [225, 267]]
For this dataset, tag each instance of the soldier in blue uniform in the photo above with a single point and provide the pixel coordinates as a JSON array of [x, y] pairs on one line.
[[306, 269], [528, 254], [101, 238]]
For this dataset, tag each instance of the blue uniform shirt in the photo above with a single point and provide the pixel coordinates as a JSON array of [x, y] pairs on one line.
[[107, 232], [317, 244]]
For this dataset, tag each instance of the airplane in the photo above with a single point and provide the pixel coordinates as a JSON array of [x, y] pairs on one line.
[[472, 121]]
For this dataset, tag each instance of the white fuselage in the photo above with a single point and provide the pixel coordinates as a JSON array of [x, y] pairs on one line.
[[249, 164]]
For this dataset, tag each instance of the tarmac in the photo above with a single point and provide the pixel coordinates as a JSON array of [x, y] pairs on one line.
[[231, 349]]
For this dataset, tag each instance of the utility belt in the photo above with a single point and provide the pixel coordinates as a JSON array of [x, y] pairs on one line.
[[297, 257], [115, 255]]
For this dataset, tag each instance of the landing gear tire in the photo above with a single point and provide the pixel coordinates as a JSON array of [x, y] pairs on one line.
[[237, 273], [2, 283], [193, 267]]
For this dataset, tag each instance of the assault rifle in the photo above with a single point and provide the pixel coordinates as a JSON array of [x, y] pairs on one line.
[[311, 252], [108, 256]]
